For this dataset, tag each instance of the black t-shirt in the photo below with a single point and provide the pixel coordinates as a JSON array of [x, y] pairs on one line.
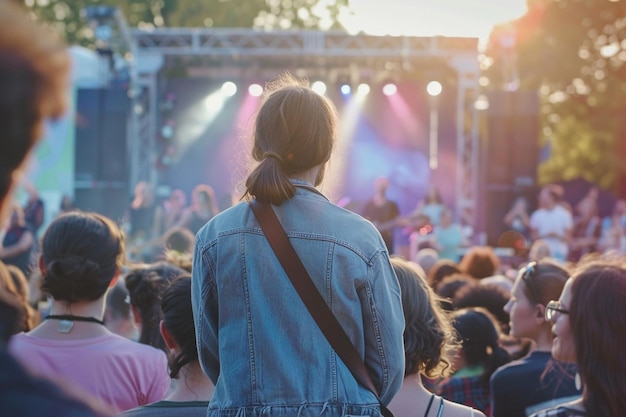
[[381, 216], [521, 384]]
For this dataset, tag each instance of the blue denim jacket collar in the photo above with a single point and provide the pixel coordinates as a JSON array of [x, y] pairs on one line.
[[307, 186]]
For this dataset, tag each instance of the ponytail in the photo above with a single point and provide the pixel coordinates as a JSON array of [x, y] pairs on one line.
[[294, 132]]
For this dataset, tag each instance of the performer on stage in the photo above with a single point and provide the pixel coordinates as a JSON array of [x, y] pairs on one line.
[[382, 212]]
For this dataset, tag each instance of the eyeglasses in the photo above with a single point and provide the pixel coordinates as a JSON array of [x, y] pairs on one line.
[[527, 275], [552, 308]]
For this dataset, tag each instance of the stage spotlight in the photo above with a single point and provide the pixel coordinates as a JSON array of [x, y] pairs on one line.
[[345, 89], [390, 89], [434, 88], [319, 87], [363, 89], [255, 90], [229, 89]]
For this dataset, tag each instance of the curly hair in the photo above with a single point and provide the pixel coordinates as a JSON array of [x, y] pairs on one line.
[[480, 262], [145, 284], [429, 340]]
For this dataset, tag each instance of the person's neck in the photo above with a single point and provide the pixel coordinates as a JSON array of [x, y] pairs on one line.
[[191, 385], [51, 328], [380, 199], [309, 176], [93, 309], [543, 341], [413, 384]]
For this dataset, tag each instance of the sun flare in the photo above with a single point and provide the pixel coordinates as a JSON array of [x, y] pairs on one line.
[[463, 18]]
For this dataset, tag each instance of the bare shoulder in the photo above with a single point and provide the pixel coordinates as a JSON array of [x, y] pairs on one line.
[[458, 410]]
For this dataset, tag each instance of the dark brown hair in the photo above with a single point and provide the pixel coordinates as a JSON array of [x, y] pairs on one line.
[[544, 281], [145, 284], [478, 331], [294, 132], [81, 253], [597, 312], [178, 320]]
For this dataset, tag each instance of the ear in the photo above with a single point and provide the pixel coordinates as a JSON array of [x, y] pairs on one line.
[[540, 311], [167, 337], [42, 266], [115, 278], [136, 315]]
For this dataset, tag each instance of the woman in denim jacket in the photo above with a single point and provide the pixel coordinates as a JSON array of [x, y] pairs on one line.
[[257, 341]]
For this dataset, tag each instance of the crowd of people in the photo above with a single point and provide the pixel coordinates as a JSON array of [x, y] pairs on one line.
[[217, 325]]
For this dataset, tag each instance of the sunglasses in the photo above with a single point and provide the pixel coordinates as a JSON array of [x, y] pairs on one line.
[[552, 308], [527, 275]]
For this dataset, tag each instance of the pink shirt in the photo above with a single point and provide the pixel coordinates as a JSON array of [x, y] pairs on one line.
[[121, 373]]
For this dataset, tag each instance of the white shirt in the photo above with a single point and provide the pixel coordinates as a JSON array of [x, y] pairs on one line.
[[557, 221]]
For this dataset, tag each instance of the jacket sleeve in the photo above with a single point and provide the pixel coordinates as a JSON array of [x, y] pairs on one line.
[[205, 311], [384, 329]]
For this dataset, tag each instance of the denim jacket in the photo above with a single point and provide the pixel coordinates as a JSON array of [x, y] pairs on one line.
[[256, 339]]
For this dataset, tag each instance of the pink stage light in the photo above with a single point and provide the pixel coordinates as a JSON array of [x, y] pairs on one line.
[[390, 89]]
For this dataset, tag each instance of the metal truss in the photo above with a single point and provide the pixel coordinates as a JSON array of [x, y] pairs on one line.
[[314, 51]]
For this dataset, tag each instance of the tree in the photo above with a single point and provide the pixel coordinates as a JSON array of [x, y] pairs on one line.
[[573, 52], [65, 15]]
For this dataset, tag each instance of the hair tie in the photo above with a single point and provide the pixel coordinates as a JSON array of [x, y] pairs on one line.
[[271, 154]]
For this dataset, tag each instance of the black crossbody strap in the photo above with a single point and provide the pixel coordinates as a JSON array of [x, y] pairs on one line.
[[309, 294]]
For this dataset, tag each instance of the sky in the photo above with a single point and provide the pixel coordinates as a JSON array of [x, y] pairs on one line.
[[464, 18]]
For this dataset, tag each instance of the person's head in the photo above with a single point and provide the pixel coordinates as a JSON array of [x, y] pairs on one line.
[[550, 195], [14, 285], [67, 204], [521, 203], [203, 196], [17, 216], [536, 284], [177, 327], [490, 297], [145, 284], [81, 255], [117, 315], [587, 208], [441, 269], [433, 196], [380, 185], [539, 250], [480, 262], [478, 332], [588, 324], [178, 199], [428, 335], [619, 208], [178, 239], [294, 134], [426, 258], [34, 74], [144, 195], [450, 285], [447, 217]]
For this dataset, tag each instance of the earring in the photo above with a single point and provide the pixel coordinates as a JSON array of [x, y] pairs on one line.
[[578, 382]]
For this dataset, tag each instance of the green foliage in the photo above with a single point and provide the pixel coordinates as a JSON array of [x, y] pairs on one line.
[[65, 15], [574, 53]]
